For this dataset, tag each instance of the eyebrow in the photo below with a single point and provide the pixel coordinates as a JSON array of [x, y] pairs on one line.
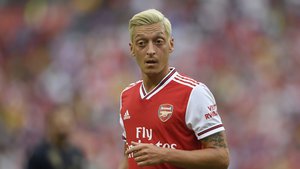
[[142, 35]]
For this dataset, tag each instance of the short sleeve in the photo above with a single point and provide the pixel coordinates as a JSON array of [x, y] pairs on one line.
[[121, 120], [123, 129], [202, 116]]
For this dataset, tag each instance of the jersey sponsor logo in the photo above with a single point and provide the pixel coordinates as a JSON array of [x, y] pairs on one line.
[[166, 145], [143, 132], [146, 135], [212, 107], [165, 112], [126, 115], [212, 112], [158, 144], [210, 115]]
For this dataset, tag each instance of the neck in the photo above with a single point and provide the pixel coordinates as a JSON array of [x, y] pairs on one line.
[[151, 81]]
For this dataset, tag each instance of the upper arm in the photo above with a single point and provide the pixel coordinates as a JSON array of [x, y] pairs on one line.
[[202, 115], [218, 143], [217, 140]]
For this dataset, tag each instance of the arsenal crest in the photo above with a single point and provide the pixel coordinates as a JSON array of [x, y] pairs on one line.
[[165, 112]]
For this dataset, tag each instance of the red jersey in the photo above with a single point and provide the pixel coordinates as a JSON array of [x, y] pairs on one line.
[[176, 114]]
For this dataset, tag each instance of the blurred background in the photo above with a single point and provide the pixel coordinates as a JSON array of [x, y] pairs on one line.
[[75, 52]]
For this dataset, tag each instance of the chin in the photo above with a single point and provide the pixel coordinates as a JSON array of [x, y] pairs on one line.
[[151, 71]]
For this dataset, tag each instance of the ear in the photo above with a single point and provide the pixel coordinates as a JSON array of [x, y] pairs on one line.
[[171, 43], [131, 49]]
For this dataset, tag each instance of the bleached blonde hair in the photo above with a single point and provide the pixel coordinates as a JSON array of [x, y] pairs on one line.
[[148, 17]]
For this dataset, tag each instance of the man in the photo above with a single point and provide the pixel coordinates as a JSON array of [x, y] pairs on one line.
[[170, 121], [56, 151]]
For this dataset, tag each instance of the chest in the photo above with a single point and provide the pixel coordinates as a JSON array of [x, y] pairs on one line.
[[162, 113]]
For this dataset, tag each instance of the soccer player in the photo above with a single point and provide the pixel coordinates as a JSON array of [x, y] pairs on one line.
[[170, 121]]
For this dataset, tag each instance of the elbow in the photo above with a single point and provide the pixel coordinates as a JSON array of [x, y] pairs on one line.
[[224, 162]]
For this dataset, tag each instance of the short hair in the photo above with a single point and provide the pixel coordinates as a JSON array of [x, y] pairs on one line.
[[148, 17]]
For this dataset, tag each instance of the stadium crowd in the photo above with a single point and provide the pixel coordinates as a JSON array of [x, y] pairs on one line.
[[76, 53]]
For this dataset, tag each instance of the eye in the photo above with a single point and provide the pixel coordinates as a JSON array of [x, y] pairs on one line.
[[141, 43], [159, 41]]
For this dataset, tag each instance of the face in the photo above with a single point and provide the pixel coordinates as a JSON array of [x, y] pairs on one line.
[[60, 126], [151, 47]]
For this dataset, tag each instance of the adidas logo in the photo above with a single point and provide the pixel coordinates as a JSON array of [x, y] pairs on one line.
[[126, 115]]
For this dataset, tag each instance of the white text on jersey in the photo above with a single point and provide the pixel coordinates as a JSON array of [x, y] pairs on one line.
[[143, 132]]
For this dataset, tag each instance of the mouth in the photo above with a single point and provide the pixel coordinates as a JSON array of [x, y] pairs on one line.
[[151, 62]]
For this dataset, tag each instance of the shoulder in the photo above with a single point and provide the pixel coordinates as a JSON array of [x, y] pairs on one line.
[[131, 86], [197, 88], [185, 80], [203, 93]]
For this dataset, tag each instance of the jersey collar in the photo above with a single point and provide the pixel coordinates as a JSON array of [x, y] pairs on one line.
[[160, 86]]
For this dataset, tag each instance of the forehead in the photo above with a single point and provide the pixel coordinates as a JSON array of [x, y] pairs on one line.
[[149, 30]]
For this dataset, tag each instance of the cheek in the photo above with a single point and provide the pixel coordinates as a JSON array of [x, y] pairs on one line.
[[138, 59], [139, 54], [166, 59]]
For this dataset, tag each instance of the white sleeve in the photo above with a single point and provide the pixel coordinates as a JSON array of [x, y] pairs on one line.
[[123, 129], [201, 114], [121, 120]]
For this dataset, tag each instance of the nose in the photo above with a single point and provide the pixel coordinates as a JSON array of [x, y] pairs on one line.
[[151, 50]]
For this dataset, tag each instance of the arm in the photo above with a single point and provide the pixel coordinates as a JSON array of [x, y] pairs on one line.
[[124, 162], [213, 155]]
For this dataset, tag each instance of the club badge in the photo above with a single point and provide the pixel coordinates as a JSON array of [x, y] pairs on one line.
[[165, 112]]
